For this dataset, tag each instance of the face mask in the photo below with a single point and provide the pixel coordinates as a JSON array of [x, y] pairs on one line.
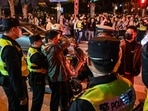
[[128, 36]]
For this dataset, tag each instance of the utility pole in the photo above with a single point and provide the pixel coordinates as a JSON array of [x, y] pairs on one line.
[[76, 7], [92, 9], [143, 6], [58, 11]]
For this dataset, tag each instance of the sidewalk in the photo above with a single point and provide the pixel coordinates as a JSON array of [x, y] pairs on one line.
[[139, 87], [3, 101]]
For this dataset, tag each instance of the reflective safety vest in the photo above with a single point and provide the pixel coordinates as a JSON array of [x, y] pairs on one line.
[[3, 66], [118, 95], [31, 66], [142, 27], [79, 25], [25, 70], [145, 108]]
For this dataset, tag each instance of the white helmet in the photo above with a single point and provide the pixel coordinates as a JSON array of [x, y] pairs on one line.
[[57, 27]]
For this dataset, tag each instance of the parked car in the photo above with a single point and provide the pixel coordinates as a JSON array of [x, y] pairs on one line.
[[27, 30]]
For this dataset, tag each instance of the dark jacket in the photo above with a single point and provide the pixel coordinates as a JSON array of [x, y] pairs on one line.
[[12, 56], [145, 64], [41, 63], [39, 59], [92, 26], [131, 59]]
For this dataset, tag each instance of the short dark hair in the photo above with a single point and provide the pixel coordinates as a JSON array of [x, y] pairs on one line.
[[34, 38], [132, 27], [51, 34]]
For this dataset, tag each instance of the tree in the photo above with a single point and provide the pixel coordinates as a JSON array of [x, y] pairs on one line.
[[12, 9], [25, 9]]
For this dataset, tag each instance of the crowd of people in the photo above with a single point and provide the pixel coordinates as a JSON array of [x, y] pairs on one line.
[[84, 27], [109, 66]]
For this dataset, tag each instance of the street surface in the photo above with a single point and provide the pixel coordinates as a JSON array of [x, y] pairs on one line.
[[138, 85]]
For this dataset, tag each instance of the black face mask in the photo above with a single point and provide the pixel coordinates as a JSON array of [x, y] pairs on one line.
[[128, 36]]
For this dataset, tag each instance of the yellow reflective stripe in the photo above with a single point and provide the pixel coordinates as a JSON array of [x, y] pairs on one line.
[[25, 71], [4, 43], [31, 52], [145, 107]]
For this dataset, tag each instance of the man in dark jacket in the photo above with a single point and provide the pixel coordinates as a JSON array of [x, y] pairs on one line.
[[131, 55], [58, 71], [10, 67], [145, 72]]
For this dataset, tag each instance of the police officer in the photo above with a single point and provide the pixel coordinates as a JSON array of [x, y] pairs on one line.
[[107, 91], [10, 66], [103, 30], [145, 72], [37, 65]]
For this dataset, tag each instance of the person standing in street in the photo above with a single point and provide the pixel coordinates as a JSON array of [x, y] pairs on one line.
[[58, 72], [131, 55], [37, 65], [11, 55], [145, 73], [107, 90]]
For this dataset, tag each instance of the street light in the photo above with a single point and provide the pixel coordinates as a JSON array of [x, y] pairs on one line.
[[143, 6], [142, 1]]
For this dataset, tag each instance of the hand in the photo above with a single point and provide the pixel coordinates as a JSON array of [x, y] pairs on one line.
[[23, 101], [122, 42], [44, 71]]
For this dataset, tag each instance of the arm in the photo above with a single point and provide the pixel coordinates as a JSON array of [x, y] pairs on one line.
[[64, 43], [137, 61], [40, 60], [13, 62]]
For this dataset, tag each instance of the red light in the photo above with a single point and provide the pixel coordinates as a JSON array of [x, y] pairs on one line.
[[142, 1]]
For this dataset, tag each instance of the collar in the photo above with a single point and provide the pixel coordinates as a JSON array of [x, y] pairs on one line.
[[13, 41], [37, 48], [102, 79]]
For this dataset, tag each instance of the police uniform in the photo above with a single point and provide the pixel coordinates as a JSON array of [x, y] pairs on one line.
[[145, 72], [10, 69], [37, 65], [103, 30], [108, 92]]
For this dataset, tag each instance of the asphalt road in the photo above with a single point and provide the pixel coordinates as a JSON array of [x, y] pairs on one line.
[[138, 85]]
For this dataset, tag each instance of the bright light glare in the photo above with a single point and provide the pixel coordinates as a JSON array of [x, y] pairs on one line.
[[142, 1]]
